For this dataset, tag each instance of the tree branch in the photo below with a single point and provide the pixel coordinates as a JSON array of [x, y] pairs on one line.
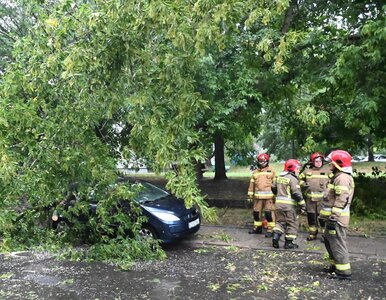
[[289, 16]]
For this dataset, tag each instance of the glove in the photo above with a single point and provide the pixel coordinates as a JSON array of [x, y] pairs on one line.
[[331, 224]]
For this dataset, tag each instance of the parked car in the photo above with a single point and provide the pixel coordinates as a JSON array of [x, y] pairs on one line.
[[357, 158], [377, 158], [168, 219]]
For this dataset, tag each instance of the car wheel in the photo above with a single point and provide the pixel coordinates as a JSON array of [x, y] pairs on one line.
[[147, 232]]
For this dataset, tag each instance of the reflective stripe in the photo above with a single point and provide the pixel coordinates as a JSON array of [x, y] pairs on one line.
[[250, 193], [263, 194], [330, 186], [284, 200], [325, 213], [343, 267], [316, 195], [312, 228], [282, 180], [257, 223], [301, 202], [290, 236], [252, 180], [341, 212], [277, 229], [271, 224], [340, 188]]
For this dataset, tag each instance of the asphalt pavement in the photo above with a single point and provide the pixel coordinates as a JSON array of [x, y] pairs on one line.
[[369, 248]]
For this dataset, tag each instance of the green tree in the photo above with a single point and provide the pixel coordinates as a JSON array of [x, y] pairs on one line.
[[92, 67], [334, 91]]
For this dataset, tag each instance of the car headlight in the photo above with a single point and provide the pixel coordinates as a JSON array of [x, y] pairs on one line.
[[165, 216]]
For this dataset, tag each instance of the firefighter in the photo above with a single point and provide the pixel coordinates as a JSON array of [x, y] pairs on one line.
[[260, 193], [335, 211], [313, 182], [288, 197]]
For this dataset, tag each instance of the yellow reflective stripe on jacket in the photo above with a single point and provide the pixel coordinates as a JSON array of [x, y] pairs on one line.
[[283, 180], [341, 211], [343, 267], [316, 195], [284, 200], [301, 202], [325, 211], [263, 194], [340, 188], [330, 186], [250, 193]]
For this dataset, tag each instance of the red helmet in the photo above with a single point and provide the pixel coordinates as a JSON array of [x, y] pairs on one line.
[[341, 160], [291, 164], [315, 155], [263, 156]]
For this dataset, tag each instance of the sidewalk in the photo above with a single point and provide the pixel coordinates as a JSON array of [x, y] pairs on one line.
[[369, 248]]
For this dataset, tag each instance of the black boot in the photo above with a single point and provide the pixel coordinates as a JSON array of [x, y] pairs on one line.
[[269, 234], [257, 230], [275, 240], [290, 245], [340, 276]]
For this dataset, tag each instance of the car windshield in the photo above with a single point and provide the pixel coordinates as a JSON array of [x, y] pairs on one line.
[[150, 193]]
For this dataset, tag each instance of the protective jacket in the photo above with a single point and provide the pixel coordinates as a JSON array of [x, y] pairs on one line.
[[314, 182], [287, 190], [260, 184], [337, 199]]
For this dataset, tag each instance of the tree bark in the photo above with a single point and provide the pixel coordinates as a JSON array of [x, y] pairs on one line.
[[219, 157], [370, 148], [199, 174], [289, 17]]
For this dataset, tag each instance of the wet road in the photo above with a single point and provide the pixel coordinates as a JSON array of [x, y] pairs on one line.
[[190, 272]]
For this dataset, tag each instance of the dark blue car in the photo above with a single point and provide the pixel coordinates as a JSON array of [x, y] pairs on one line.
[[168, 217]]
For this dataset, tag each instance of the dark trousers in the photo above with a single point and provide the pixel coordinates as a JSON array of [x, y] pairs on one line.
[[336, 246], [286, 222]]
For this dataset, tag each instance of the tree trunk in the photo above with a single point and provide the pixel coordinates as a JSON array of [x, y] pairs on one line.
[[199, 174], [370, 148], [219, 157], [293, 149]]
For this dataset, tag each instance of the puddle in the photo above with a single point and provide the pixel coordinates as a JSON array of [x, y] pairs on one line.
[[40, 279]]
